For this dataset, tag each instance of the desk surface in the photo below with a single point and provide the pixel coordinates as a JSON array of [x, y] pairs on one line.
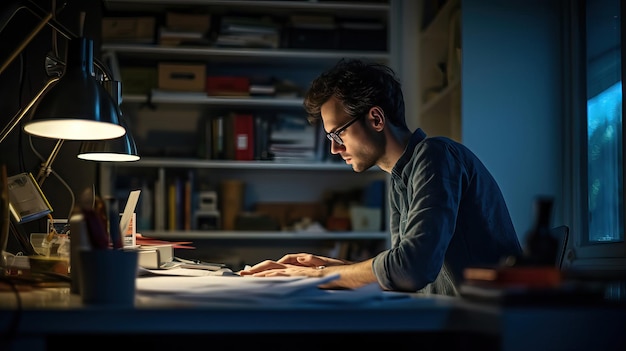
[[56, 310], [48, 317]]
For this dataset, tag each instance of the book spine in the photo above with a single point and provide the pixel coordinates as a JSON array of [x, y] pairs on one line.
[[244, 137]]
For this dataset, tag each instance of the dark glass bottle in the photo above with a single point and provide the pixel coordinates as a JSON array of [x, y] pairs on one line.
[[541, 245]]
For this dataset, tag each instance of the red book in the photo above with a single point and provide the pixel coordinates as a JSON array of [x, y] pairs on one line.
[[244, 137], [228, 86]]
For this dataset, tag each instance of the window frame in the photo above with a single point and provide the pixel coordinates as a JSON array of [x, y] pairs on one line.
[[579, 254]]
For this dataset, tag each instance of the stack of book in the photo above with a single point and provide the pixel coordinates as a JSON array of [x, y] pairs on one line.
[[292, 138], [185, 29], [250, 32], [524, 284]]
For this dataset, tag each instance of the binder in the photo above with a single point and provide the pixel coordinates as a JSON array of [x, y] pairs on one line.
[[244, 137]]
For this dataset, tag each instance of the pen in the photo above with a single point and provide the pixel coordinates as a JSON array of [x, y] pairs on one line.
[[96, 229], [114, 224]]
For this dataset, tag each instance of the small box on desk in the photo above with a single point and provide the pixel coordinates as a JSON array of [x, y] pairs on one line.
[[182, 77], [155, 256]]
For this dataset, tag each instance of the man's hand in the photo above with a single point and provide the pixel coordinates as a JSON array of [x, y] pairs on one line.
[[275, 269], [292, 264], [309, 260], [352, 275]]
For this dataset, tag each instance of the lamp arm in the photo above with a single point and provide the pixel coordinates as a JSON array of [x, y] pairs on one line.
[[20, 114], [46, 18], [46, 167]]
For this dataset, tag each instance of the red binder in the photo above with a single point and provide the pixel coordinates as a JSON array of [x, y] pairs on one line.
[[244, 137]]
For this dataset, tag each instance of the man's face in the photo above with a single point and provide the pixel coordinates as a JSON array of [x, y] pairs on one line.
[[361, 146]]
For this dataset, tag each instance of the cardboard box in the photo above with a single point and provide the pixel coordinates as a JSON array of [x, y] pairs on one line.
[[138, 80], [365, 219], [288, 213], [182, 77], [128, 29], [188, 21]]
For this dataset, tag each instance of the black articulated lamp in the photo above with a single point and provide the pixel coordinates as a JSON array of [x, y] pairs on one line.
[[77, 107], [121, 149], [74, 105]]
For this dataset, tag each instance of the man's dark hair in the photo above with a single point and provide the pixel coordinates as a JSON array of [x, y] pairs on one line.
[[359, 86]]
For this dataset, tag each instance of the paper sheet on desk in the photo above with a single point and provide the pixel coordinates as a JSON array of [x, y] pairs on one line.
[[255, 290], [184, 272]]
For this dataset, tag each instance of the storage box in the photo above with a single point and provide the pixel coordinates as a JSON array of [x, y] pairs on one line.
[[362, 36], [182, 77], [138, 80], [128, 29], [365, 219], [188, 21]]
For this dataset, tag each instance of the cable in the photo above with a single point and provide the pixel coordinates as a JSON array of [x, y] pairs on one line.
[[52, 171]]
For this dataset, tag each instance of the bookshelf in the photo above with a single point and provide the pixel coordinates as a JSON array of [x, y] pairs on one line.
[[169, 128], [439, 80]]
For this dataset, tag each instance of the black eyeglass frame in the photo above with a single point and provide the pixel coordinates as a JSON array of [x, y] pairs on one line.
[[334, 136]]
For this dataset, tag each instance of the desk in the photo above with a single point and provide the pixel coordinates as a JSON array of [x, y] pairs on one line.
[[55, 319]]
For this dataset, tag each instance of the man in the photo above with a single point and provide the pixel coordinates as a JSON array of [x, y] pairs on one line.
[[447, 211]]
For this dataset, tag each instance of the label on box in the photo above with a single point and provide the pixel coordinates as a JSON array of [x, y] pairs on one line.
[[129, 237]]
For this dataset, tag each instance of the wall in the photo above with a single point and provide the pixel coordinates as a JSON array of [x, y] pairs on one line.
[[512, 98]]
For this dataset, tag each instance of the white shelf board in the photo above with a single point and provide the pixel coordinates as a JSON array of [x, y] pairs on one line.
[[262, 235]]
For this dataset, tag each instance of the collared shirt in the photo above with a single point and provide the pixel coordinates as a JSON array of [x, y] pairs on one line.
[[445, 206]]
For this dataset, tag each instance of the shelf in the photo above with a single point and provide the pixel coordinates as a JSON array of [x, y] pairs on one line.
[[282, 7], [442, 98], [262, 235], [228, 164], [203, 99], [211, 54], [287, 184], [439, 24], [440, 62]]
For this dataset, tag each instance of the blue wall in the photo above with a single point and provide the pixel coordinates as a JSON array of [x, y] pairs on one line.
[[512, 98]]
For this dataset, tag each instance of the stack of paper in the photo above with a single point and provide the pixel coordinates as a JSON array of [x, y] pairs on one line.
[[256, 290]]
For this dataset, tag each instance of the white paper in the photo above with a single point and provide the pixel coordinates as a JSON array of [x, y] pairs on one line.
[[257, 290]]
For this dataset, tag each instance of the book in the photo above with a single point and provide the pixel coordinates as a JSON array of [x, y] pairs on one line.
[[262, 128], [217, 139], [26, 200], [171, 206], [227, 86], [526, 276], [244, 137]]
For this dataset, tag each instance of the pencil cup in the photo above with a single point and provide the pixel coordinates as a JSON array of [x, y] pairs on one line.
[[108, 277]]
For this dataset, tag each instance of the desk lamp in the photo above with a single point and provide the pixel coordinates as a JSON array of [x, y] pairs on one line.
[[118, 149], [70, 106]]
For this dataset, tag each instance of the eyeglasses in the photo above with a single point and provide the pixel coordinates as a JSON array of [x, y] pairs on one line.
[[334, 136]]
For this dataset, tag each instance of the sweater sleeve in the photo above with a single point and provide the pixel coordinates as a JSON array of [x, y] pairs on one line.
[[423, 204]]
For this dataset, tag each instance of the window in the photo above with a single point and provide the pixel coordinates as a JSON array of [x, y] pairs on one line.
[[596, 139]]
